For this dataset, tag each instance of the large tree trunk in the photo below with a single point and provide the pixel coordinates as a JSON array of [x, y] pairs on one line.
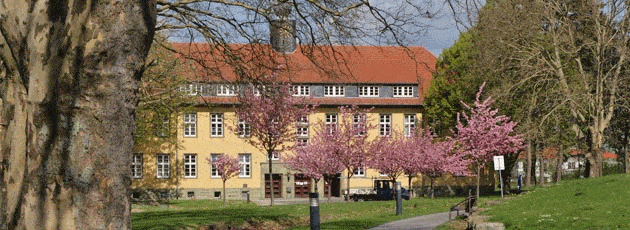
[[269, 160], [595, 156], [627, 161], [559, 161], [67, 110], [528, 178]]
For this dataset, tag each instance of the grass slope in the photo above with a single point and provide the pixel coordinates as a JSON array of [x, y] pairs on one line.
[[353, 215], [595, 203]]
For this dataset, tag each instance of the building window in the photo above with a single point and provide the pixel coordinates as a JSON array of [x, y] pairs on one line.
[[334, 91], [190, 165], [214, 173], [360, 172], [331, 122], [191, 89], [190, 125], [244, 130], [385, 125], [302, 142], [274, 156], [163, 166], [136, 166], [301, 90], [358, 122], [216, 125], [403, 91], [302, 127], [226, 90], [163, 129], [245, 161], [368, 91], [409, 125]]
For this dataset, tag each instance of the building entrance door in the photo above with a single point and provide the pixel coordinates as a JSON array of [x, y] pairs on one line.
[[277, 185], [335, 185], [302, 186]]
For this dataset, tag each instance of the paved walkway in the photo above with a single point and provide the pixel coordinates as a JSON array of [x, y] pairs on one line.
[[425, 222], [279, 201]]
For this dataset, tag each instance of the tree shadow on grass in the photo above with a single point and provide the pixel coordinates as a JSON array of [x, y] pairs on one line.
[[350, 224], [193, 218]]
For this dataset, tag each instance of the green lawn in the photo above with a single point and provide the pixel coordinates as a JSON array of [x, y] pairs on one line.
[[596, 203], [353, 215]]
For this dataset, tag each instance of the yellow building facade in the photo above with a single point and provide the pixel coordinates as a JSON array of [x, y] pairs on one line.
[[385, 79]]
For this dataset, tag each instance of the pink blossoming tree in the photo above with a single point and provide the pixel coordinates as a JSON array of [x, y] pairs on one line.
[[227, 167], [316, 161], [346, 141], [437, 158], [270, 114], [389, 155], [484, 134]]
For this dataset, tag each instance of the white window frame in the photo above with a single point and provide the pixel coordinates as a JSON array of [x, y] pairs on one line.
[[216, 125], [301, 142], [190, 125], [369, 91], [357, 118], [334, 91], [275, 156], [164, 128], [192, 89], [226, 90], [332, 121], [302, 131], [385, 125], [163, 166], [190, 165], [244, 130], [245, 163], [403, 91], [136, 166], [410, 125], [359, 172], [301, 90], [214, 173]]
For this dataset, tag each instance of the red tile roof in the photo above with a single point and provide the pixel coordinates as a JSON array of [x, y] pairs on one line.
[[609, 155], [317, 64]]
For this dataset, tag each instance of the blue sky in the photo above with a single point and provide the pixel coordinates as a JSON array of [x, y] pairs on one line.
[[441, 35]]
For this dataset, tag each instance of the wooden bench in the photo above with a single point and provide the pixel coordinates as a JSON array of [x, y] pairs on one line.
[[466, 205]]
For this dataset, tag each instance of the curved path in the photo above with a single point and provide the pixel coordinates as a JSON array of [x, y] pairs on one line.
[[425, 222]]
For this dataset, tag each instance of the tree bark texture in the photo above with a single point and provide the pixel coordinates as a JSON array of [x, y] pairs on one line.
[[269, 160], [528, 178], [67, 110]]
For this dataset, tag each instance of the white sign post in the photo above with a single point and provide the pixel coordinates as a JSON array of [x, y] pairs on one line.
[[498, 166]]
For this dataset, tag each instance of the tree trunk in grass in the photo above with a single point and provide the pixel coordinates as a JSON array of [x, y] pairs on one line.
[[409, 183], [559, 162], [348, 185], [271, 195], [478, 178], [68, 85], [224, 194], [530, 172]]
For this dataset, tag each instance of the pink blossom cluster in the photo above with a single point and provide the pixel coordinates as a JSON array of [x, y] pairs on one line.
[[485, 134]]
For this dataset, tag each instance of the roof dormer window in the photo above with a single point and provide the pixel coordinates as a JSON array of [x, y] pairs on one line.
[[368, 91], [334, 91], [226, 90], [403, 91]]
